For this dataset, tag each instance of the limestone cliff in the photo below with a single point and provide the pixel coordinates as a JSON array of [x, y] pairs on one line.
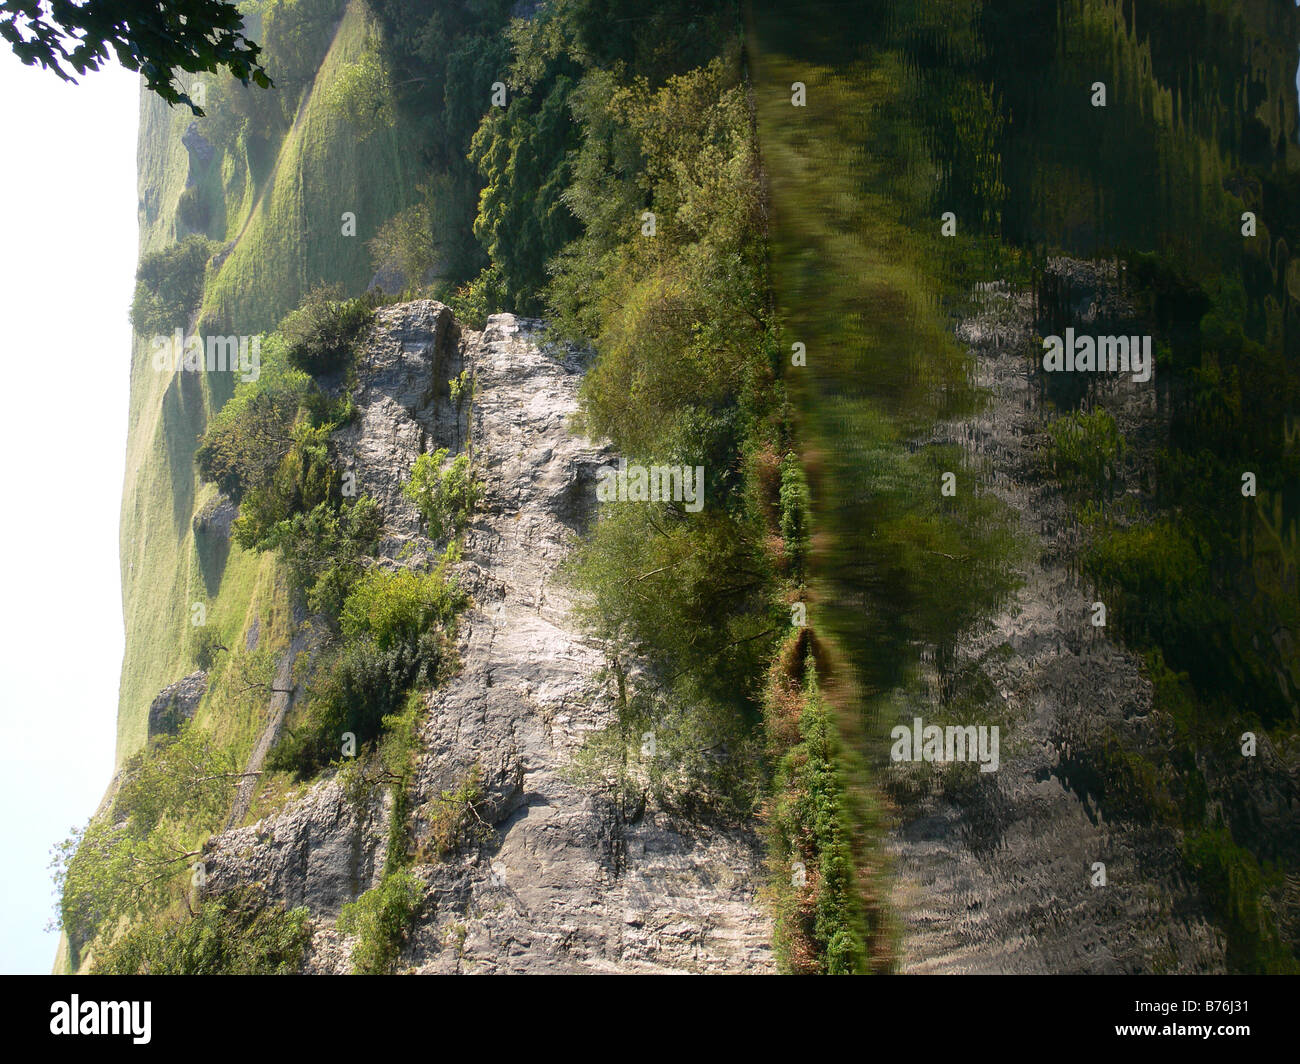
[[997, 873], [563, 879]]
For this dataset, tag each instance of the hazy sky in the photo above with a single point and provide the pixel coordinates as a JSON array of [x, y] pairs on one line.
[[67, 192]]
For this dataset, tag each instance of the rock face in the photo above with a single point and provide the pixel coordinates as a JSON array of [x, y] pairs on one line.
[[321, 851], [566, 883], [561, 878], [404, 409], [995, 871], [216, 517], [176, 703]]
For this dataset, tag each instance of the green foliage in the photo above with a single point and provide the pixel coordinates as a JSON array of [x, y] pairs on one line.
[[443, 60], [454, 816], [169, 287], [251, 437], [381, 919], [695, 757], [362, 95], [690, 591], [242, 932], [405, 244], [394, 607], [207, 644], [156, 40], [822, 923], [135, 859], [445, 494], [319, 336], [1085, 445], [682, 376], [795, 512], [565, 53], [474, 301], [354, 690], [193, 210], [678, 319], [397, 633], [460, 388], [305, 478], [323, 550], [269, 450], [1236, 882], [296, 35], [520, 224]]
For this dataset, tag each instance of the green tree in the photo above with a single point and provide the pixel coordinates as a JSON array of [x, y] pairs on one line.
[[169, 286], [135, 858], [323, 549], [242, 932], [381, 919], [318, 335], [153, 37], [445, 496], [362, 95]]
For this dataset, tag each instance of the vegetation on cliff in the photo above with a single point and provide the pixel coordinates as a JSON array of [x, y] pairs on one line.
[[642, 177]]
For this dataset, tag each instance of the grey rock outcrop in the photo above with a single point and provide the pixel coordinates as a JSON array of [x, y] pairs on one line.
[[995, 871], [560, 877], [403, 404], [321, 851], [176, 703], [215, 518], [567, 884]]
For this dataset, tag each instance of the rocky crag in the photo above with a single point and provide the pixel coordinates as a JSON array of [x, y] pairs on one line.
[[997, 871], [561, 878]]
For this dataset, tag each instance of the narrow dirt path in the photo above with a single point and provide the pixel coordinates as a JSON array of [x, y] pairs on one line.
[[283, 689]]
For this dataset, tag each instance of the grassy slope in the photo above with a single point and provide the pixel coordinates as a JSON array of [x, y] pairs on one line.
[[288, 237]]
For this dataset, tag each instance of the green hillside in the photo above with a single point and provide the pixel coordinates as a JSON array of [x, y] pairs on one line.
[[285, 226]]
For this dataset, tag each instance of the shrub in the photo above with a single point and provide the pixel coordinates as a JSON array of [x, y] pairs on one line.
[[474, 301], [239, 933], [794, 511], [323, 548], [396, 607], [250, 436], [405, 245], [1085, 446], [354, 693], [193, 211], [319, 335], [362, 94], [396, 626], [303, 479], [381, 919], [169, 286], [206, 646], [444, 497], [823, 928], [135, 857], [454, 815], [1237, 886], [704, 758]]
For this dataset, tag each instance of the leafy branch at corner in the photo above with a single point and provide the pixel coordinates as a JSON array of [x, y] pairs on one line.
[[152, 37]]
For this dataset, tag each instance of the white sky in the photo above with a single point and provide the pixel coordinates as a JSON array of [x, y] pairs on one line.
[[67, 259]]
